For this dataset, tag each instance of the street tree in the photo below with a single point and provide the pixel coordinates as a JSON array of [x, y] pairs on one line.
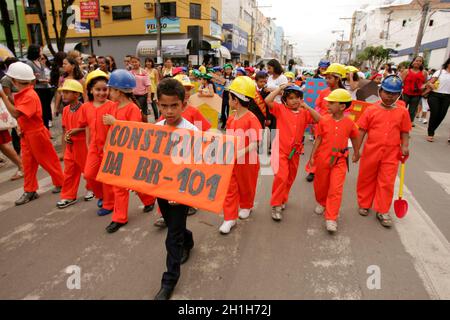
[[375, 56], [59, 31]]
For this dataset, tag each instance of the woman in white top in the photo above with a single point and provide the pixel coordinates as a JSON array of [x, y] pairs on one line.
[[276, 77], [439, 99], [167, 71]]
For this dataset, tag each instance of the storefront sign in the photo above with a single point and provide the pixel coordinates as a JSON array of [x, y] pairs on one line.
[[167, 26], [236, 39]]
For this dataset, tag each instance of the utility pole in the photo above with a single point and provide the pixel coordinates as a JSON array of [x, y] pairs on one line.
[[158, 14], [389, 20], [425, 10], [352, 33]]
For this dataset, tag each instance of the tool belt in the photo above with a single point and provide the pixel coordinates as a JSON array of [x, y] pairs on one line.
[[338, 154], [297, 148]]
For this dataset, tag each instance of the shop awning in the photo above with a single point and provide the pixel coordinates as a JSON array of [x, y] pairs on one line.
[[172, 48], [225, 53]]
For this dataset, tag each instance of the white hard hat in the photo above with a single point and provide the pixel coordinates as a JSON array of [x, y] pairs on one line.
[[20, 71]]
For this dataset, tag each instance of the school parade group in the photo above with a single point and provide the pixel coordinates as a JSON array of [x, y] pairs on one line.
[[94, 96]]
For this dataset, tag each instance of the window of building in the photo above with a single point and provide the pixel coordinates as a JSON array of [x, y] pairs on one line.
[[248, 17], [404, 23], [195, 11], [214, 15], [431, 23], [31, 6], [121, 12], [169, 9], [35, 33]]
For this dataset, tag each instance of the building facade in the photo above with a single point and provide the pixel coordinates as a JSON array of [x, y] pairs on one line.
[[18, 28]]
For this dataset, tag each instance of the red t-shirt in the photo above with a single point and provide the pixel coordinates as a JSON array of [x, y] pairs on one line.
[[93, 117], [248, 129], [291, 126], [321, 103], [130, 112], [194, 116], [384, 126], [27, 102], [73, 120], [335, 135]]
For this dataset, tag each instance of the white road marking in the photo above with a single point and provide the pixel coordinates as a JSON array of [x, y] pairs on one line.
[[442, 178], [429, 248], [7, 200]]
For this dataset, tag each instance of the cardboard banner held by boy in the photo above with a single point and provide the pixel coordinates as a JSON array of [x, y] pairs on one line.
[[191, 168]]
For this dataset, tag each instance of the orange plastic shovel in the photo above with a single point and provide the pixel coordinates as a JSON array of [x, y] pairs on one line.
[[400, 205]]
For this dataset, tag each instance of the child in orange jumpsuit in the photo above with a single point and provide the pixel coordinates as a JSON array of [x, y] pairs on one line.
[[387, 125], [244, 124], [330, 156], [76, 149], [92, 117], [121, 84], [37, 149], [292, 117], [333, 75]]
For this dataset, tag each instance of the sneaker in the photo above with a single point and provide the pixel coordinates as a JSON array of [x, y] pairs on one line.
[[148, 208], [310, 177], [363, 212], [17, 176], [100, 203], [26, 197], [89, 196], [114, 227], [160, 223], [331, 226], [385, 220], [277, 214], [226, 226], [104, 212], [244, 213], [192, 211], [319, 210], [56, 190], [64, 203]]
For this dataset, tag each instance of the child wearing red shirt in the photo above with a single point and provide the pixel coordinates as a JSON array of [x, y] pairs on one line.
[[387, 126], [292, 117], [37, 149], [330, 156], [76, 149], [244, 124]]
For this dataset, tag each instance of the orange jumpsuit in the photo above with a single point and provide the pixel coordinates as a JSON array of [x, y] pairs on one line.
[[242, 190], [331, 163], [291, 128], [37, 149], [322, 108], [380, 158], [130, 112], [93, 117], [75, 154]]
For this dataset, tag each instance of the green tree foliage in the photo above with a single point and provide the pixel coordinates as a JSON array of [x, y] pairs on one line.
[[374, 56]]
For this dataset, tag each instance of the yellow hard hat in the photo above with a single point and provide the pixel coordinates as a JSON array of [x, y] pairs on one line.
[[290, 75], [184, 79], [243, 87], [351, 69], [339, 95], [336, 69], [95, 74], [72, 85]]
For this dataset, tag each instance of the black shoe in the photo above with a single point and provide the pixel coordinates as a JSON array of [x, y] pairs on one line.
[[185, 257], [149, 208], [26, 197], [164, 294], [310, 177], [114, 227], [56, 190], [192, 211]]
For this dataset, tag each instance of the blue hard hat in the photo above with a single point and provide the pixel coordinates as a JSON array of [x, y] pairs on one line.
[[293, 88], [241, 70], [393, 84], [324, 64], [216, 69], [123, 80], [184, 69]]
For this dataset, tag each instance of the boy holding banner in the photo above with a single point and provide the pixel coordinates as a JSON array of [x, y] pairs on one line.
[[179, 241]]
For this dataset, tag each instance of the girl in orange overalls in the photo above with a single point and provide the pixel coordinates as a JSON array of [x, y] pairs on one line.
[[387, 125], [121, 84], [292, 116], [330, 156], [92, 117], [75, 153], [334, 75]]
